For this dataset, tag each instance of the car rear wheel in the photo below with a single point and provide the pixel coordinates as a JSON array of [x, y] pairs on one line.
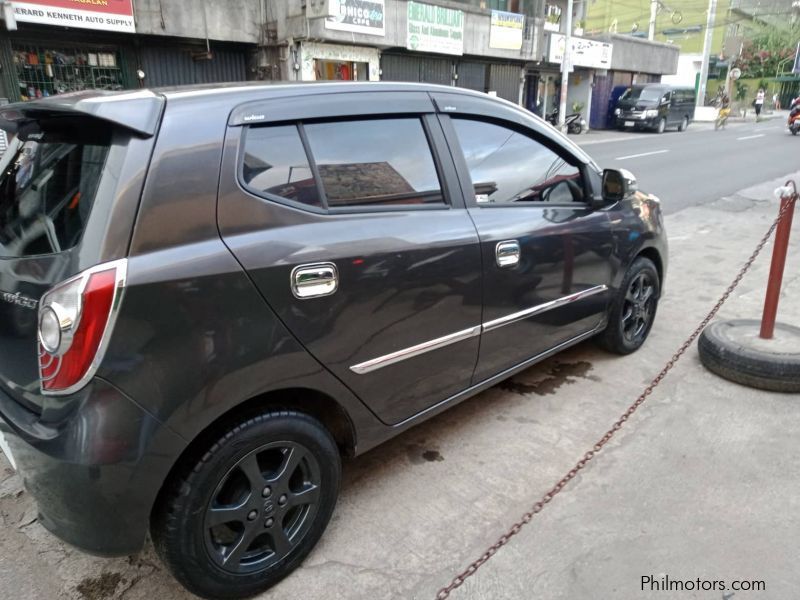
[[250, 507], [684, 124], [634, 310]]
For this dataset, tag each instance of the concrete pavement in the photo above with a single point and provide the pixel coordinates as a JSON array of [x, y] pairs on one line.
[[703, 482]]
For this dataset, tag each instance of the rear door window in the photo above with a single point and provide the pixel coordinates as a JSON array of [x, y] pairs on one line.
[[275, 164], [376, 162], [47, 191], [365, 163]]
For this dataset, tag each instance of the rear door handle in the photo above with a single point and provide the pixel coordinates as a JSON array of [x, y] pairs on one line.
[[507, 253], [315, 280]]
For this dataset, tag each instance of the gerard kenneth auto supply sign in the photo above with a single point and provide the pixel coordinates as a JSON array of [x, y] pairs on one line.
[[435, 29], [108, 15]]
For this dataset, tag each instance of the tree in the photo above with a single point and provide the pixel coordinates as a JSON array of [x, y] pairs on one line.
[[764, 54]]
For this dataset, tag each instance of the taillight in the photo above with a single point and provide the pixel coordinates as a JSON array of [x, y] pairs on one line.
[[75, 322]]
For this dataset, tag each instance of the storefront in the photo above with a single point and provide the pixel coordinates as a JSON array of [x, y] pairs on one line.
[[434, 53], [57, 49], [338, 62]]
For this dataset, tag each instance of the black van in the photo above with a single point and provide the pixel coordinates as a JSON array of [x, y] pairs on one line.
[[208, 294], [655, 106]]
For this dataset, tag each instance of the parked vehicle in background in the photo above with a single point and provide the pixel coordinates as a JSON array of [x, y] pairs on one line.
[[209, 294], [655, 106], [793, 122], [574, 122]]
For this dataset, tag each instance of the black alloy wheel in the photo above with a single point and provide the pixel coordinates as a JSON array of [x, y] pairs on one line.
[[248, 504], [638, 308], [262, 507], [633, 311]]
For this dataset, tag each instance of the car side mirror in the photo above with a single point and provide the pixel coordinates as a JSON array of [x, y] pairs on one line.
[[618, 184]]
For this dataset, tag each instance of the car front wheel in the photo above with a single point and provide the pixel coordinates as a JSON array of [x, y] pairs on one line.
[[634, 309], [248, 509]]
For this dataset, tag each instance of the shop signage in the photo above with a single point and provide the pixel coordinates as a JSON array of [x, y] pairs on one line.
[[435, 29], [506, 30], [585, 53], [107, 15], [358, 16]]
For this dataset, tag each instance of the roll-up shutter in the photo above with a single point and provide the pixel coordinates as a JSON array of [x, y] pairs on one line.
[[504, 79], [425, 69], [471, 75], [177, 65]]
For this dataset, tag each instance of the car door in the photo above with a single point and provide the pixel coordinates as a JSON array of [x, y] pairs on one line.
[[547, 253], [669, 108], [348, 217]]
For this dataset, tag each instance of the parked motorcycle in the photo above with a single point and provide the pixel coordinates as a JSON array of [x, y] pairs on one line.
[[575, 122], [794, 117]]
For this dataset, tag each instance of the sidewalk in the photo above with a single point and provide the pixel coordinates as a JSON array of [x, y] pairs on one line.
[[702, 482]]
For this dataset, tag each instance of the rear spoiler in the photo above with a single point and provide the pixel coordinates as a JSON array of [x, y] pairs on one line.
[[138, 111]]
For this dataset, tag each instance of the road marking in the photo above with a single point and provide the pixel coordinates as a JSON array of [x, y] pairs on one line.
[[642, 154], [750, 137]]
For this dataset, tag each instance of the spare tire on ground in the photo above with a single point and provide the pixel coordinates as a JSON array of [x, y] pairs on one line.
[[734, 350]]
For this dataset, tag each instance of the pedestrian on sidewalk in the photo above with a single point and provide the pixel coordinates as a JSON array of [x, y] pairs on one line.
[[776, 101], [759, 102]]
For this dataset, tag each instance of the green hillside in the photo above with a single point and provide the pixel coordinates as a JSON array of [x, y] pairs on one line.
[[689, 14]]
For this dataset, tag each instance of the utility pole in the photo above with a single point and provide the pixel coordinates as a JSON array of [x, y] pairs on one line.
[[651, 32], [701, 88], [565, 63]]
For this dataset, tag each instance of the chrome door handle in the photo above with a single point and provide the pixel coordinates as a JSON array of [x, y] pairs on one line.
[[313, 281], [507, 253]]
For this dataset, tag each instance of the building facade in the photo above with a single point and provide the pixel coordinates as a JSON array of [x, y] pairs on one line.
[[509, 48], [124, 44]]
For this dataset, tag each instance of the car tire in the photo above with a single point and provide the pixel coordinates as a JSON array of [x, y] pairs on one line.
[[223, 537], [684, 124], [631, 316], [662, 126]]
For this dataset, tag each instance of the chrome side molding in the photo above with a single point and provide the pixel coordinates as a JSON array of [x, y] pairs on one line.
[[406, 353], [540, 308], [435, 344]]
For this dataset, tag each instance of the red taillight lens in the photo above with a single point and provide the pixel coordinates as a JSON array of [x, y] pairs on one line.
[[84, 309]]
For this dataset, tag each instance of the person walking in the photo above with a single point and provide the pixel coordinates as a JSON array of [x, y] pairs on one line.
[[759, 103], [776, 101]]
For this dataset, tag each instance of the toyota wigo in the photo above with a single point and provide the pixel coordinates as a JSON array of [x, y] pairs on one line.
[[209, 295]]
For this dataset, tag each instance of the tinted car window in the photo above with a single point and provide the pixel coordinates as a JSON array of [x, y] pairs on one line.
[[275, 163], [509, 167], [645, 94], [374, 163], [47, 191]]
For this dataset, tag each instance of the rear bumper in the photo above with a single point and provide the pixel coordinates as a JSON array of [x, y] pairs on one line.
[[94, 464]]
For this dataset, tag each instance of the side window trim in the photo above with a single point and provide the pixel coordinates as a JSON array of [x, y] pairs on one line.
[[465, 178], [433, 139], [312, 163], [261, 194]]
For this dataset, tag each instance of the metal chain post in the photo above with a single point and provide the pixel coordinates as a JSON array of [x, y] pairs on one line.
[[526, 518]]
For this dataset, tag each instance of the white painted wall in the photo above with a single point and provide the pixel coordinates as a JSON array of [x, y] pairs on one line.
[[580, 90], [688, 68]]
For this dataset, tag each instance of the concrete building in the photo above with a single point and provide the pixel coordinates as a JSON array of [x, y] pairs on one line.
[[126, 44], [509, 48]]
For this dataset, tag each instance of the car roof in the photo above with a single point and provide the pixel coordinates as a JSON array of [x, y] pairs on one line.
[[140, 110]]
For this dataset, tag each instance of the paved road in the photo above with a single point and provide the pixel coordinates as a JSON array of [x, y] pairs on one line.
[[699, 165]]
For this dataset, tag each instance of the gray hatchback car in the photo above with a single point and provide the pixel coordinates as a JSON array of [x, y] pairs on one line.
[[209, 295]]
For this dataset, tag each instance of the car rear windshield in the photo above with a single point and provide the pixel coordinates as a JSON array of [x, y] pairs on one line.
[[47, 190], [645, 93]]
